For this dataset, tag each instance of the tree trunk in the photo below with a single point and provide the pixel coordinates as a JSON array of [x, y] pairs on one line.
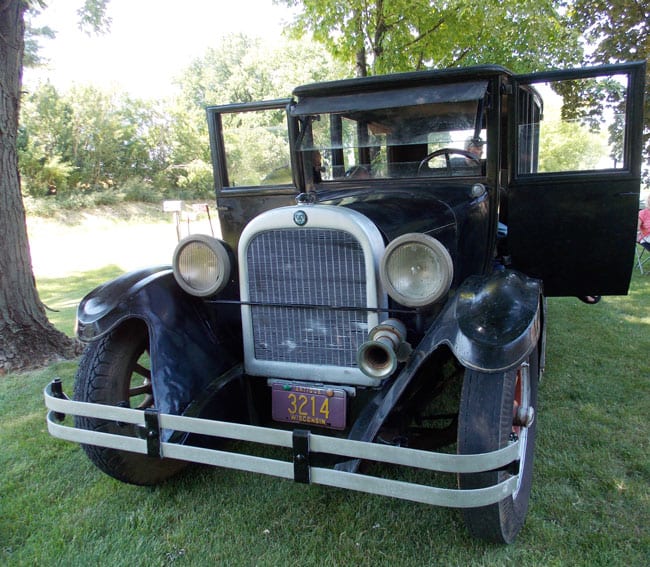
[[361, 62], [361, 67], [27, 339]]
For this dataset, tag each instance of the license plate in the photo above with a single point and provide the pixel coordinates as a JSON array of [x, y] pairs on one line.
[[324, 407]]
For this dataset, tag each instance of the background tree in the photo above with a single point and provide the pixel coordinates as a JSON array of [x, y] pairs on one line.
[[89, 138], [384, 36], [44, 142], [33, 36], [26, 336], [92, 145], [105, 137], [239, 69], [617, 31]]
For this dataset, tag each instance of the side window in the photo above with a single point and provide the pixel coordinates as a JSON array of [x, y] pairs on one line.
[[256, 147], [572, 125]]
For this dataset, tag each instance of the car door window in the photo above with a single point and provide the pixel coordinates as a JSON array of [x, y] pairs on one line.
[[581, 126]]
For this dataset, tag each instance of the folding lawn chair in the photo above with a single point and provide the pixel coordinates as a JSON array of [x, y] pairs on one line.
[[642, 255]]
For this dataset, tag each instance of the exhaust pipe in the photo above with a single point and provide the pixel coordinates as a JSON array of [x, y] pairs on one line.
[[385, 347]]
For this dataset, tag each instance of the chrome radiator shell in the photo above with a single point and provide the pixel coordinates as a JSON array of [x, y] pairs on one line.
[[310, 291]]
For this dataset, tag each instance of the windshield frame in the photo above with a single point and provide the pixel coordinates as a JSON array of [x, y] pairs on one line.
[[428, 130]]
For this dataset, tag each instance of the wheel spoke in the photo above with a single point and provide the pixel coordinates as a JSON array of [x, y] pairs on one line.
[[114, 371], [139, 390], [142, 371]]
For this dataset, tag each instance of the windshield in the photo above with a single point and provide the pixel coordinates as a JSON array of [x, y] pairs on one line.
[[435, 131]]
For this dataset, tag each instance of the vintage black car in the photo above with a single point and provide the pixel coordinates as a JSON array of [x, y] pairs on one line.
[[378, 290]]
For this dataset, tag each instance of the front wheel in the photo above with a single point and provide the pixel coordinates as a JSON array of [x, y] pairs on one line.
[[114, 370], [496, 409]]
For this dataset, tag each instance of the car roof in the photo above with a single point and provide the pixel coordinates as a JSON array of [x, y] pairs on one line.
[[399, 80]]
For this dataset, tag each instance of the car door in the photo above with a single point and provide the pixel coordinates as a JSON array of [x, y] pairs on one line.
[[252, 161], [574, 177]]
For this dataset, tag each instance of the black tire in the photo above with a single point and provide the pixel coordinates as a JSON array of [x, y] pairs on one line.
[[114, 370], [485, 423]]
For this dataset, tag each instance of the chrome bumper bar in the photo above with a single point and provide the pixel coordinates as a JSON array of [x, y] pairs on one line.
[[303, 443]]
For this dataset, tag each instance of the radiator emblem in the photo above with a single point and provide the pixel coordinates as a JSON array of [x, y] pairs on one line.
[[300, 218]]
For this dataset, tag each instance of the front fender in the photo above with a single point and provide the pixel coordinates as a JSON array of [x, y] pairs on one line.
[[122, 298], [191, 342], [492, 323]]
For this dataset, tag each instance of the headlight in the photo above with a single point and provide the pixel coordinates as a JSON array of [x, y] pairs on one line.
[[416, 270], [201, 265]]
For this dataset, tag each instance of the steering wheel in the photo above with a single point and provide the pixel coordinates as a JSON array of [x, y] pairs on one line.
[[357, 172], [447, 152]]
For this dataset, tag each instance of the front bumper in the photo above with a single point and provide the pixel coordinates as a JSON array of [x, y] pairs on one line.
[[303, 443]]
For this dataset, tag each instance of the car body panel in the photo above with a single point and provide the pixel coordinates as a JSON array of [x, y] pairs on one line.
[[190, 346]]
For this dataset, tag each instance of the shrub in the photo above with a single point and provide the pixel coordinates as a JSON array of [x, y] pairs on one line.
[[195, 178], [140, 191]]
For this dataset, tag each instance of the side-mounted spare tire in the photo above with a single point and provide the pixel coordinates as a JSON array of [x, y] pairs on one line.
[[493, 410], [114, 370]]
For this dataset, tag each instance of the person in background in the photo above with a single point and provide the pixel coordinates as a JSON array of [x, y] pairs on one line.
[[643, 227], [475, 147], [318, 166]]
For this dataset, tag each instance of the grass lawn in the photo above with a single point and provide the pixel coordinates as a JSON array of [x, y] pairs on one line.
[[590, 502]]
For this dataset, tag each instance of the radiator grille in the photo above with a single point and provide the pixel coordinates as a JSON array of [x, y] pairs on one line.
[[316, 273]]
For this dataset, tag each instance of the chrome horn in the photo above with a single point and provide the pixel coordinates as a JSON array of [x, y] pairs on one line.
[[385, 347]]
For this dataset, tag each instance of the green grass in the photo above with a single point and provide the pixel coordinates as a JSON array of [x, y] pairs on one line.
[[62, 295], [590, 503]]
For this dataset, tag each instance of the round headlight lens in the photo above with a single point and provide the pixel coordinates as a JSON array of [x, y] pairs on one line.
[[201, 265], [416, 270]]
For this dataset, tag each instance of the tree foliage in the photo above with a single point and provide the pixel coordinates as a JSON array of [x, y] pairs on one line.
[[93, 17], [33, 35], [383, 36], [93, 137], [245, 69], [87, 138], [616, 31]]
